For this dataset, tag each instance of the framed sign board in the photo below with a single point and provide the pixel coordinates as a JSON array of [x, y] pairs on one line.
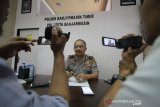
[[26, 6], [128, 2]]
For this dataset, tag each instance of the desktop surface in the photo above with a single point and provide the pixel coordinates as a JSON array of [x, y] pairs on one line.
[[77, 99]]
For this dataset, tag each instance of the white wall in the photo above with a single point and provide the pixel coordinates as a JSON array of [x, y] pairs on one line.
[[116, 23]]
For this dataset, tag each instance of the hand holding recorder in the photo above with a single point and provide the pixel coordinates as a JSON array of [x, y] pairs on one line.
[[123, 43]]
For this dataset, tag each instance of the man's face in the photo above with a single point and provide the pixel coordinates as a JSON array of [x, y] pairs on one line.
[[150, 20], [79, 48], [4, 5]]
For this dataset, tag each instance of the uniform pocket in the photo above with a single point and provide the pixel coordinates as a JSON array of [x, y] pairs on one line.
[[87, 68]]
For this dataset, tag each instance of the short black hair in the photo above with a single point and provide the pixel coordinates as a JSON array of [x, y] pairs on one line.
[[80, 40]]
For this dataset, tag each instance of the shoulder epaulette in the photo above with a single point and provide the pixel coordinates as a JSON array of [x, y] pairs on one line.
[[89, 57], [72, 56]]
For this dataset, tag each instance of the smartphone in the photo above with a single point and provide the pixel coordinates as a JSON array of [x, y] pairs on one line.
[[43, 41], [106, 41], [87, 91]]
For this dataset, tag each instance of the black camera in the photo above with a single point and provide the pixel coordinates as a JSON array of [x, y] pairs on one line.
[[133, 41], [46, 40]]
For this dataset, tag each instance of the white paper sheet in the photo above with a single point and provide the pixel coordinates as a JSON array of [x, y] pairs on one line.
[[87, 91], [72, 82]]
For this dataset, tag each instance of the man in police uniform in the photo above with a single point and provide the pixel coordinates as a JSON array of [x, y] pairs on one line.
[[82, 66]]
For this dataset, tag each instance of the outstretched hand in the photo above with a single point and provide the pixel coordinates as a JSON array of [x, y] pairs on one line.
[[15, 45]]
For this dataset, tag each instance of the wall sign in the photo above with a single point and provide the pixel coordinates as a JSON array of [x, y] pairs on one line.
[[128, 2], [79, 20]]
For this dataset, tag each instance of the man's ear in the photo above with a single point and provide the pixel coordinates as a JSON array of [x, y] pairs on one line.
[[86, 49]]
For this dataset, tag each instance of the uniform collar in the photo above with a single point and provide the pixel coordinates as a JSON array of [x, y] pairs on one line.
[[85, 57]]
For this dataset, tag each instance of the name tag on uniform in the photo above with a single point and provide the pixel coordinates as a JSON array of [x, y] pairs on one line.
[[87, 64]]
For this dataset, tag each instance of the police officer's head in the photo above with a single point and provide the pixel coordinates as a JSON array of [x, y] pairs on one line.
[[4, 5], [150, 16], [80, 47]]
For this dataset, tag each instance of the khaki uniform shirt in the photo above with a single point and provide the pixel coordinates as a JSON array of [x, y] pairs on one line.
[[86, 65]]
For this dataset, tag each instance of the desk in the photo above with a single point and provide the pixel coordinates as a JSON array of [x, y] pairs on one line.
[[77, 98]]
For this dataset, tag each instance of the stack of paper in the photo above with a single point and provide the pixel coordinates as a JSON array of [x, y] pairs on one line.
[[72, 82]]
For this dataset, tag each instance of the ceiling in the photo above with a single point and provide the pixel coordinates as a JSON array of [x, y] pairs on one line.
[[52, 7]]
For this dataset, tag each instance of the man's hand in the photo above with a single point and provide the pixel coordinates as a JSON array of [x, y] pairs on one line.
[[128, 65], [58, 41], [80, 77], [15, 45], [69, 73], [133, 52]]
